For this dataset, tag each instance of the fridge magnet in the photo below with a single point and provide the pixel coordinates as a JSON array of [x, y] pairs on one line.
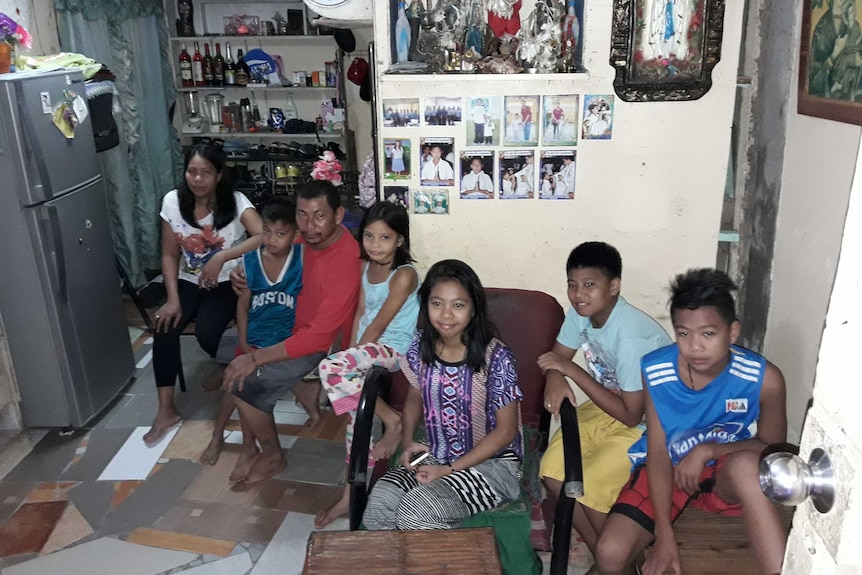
[[557, 175], [665, 50], [522, 113], [517, 175], [830, 83], [401, 113], [397, 195], [598, 121], [484, 114], [560, 120], [437, 161], [441, 111], [397, 155], [440, 202], [476, 180], [421, 202]]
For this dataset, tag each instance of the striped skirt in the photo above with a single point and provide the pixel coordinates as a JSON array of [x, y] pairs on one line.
[[398, 501]]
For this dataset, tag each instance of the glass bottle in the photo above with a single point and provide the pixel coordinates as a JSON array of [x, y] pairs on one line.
[[185, 68], [208, 65], [218, 67], [290, 111], [229, 67], [241, 74], [198, 67]]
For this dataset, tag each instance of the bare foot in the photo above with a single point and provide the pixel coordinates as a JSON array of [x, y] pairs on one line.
[[245, 462], [339, 509], [308, 396], [266, 466], [212, 452], [161, 425], [213, 382], [388, 444]]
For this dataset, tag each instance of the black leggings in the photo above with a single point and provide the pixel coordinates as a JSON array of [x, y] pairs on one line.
[[212, 310]]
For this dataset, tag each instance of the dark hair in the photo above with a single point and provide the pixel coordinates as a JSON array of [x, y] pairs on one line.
[[599, 255], [479, 331], [395, 216], [314, 189], [703, 287], [279, 209], [225, 205]]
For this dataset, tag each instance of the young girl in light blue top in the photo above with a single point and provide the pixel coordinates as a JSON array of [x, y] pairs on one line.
[[384, 326]]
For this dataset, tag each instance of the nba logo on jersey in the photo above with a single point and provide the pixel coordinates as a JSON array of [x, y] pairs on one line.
[[736, 405]]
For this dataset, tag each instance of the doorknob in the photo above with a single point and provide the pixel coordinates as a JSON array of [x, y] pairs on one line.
[[787, 479]]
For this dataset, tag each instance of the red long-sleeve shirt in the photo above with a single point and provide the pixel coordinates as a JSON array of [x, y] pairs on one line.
[[326, 305]]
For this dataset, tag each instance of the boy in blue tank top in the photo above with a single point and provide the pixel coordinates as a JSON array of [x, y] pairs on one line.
[[712, 407], [266, 311]]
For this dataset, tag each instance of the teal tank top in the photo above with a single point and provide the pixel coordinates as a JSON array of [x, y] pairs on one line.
[[400, 330]]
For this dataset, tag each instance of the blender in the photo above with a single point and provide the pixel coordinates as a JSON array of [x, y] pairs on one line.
[[194, 118], [213, 110]]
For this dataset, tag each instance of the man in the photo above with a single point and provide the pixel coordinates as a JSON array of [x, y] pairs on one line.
[[566, 179], [477, 112], [324, 312], [526, 119]]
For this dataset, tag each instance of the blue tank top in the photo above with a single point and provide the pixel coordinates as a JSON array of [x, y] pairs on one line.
[[400, 330], [725, 411], [272, 310]]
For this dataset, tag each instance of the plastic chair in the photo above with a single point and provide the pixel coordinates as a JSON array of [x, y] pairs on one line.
[[528, 322]]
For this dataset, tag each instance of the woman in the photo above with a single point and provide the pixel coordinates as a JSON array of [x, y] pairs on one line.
[[204, 223]]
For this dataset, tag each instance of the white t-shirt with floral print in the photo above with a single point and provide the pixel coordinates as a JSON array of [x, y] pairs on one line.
[[198, 245]]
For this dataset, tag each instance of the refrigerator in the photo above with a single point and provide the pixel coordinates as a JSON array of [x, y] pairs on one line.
[[60, 296]]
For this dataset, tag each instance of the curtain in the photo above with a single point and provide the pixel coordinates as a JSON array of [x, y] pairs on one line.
[[131, 39]]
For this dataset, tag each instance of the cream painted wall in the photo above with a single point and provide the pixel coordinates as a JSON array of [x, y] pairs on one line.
[[654, 190], [819, 163]]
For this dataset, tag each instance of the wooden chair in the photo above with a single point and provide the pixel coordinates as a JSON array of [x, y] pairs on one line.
[[528, 322]]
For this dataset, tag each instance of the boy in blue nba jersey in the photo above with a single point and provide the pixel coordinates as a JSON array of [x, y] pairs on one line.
[[711, 407], [266, 311]]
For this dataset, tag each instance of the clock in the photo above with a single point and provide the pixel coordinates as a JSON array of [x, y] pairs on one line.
[[347, 10]]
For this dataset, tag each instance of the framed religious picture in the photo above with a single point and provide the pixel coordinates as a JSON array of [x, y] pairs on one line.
[[665, 50], [830, 70]]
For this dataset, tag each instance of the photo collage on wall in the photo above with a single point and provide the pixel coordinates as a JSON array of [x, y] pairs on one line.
[[518, 147]]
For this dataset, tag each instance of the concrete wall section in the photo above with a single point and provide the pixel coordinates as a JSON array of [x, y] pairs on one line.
[[654, 190], [819, 163]]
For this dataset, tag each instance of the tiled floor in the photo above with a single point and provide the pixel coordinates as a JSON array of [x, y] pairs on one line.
[[97, 501]]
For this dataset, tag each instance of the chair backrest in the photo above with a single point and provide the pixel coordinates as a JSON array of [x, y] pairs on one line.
[[528, 322]]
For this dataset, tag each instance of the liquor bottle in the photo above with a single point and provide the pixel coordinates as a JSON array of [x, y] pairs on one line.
[[241, 75], [198, 67], [402, 35], [186, 68], [229, 67], [208, 65], [218, 67]]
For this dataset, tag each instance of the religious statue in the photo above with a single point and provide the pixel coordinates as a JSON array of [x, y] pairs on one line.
[[186, 21]]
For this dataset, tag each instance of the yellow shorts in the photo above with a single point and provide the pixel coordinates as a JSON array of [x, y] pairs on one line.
[[604, 451]]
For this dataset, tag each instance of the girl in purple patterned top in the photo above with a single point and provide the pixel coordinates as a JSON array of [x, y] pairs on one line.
[[463, 381]]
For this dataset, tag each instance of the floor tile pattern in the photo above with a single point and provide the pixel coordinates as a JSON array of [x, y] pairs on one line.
[[177, 516]]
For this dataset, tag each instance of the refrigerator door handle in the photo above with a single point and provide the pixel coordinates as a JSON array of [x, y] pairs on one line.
[[32, 142], [59, 255]]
